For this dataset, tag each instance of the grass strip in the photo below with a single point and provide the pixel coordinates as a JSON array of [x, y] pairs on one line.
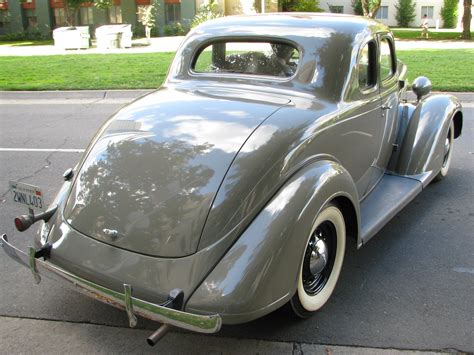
[[433, 35], [84, 72], [449, 70]]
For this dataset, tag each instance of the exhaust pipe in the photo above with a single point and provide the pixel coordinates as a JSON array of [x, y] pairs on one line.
[[158, 334]]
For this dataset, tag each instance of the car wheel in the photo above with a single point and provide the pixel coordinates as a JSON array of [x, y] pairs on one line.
[[322, 262], [448, 153]]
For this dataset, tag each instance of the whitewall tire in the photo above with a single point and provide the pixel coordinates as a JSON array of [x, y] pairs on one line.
[[447, 154], [321, 263]]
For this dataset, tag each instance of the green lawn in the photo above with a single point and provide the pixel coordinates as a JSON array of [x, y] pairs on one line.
[[449, 70], [433, 34], [80, 72]]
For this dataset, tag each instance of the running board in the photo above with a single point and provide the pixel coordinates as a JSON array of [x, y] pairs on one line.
[[388, 198]]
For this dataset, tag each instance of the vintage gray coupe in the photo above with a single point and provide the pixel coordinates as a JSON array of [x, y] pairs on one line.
[[234, 188]]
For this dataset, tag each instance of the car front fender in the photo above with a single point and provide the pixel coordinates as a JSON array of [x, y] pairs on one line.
[[422, 148], [259, 273]]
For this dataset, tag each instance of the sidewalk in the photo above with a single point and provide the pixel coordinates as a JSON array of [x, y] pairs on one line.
[[20, 335], [171, 44], [159, 44]]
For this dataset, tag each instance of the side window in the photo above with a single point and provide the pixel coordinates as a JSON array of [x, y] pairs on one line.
[[387, 62], [366, 67]]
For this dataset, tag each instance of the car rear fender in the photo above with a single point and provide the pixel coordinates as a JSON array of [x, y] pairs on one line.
[[421, 144], [259, 273]]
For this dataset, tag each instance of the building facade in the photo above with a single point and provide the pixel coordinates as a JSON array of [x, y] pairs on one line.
[[45, 15], [388, 11]]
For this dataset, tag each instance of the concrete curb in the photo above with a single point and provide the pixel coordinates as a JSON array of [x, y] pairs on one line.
[[20, 335], [119, 96]]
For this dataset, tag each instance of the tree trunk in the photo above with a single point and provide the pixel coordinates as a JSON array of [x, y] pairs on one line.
[[466, 20], [71, 14]]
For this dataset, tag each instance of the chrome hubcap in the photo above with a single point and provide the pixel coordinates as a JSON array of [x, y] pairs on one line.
[[447, 148], [319, 256]]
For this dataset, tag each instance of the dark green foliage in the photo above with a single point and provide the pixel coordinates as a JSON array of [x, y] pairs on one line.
[[175, 29], [449, 13], [405, 12], [357, 6], [34, 35]]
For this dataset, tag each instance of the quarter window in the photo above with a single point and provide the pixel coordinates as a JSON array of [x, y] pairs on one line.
[[366, 66], [387, 62]]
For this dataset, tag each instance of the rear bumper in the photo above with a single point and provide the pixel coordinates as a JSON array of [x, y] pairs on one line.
[[125, 301]]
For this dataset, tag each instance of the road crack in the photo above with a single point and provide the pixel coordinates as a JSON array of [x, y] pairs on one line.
[[46, 165]]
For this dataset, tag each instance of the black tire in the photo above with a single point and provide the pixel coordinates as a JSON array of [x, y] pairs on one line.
[[321, 263]]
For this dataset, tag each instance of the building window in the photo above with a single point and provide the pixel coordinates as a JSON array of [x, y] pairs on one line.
[[382, 13], [30, 17], [336, 9], [60, 16], [86, 16], [172, 13], [427, 10], [115, 14]]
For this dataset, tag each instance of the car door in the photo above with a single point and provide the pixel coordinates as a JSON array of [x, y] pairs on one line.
[[389, 100], [362, 124]]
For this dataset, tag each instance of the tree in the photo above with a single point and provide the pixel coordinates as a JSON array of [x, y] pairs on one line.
[[370, 7], [147, 17], [466, 20], [357, 7], [449, 13], [207, 11], [405, 12]]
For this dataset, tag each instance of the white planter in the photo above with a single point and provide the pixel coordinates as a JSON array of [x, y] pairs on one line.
[[72, 37], [114, 36]]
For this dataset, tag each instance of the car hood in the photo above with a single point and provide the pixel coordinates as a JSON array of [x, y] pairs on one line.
[[147, 182]]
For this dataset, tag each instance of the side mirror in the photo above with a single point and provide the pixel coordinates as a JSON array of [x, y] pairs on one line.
[[421, 87]]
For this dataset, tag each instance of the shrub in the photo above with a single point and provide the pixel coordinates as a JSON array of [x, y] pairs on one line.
[[301, 5], [33, 35], [175, 29], [449, 13], [405, 12], [357, 7]]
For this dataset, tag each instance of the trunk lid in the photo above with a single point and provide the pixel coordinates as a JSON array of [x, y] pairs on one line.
[[148, 181]]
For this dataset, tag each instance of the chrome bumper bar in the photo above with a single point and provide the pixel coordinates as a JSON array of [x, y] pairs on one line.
[[133, 306]]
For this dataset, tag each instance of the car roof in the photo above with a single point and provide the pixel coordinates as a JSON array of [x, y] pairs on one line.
[[278, 24]]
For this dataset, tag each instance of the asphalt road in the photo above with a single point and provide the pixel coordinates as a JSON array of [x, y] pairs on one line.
[[411, 287]]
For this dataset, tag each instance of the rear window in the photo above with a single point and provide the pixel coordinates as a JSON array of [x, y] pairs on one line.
[[248, 58]]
